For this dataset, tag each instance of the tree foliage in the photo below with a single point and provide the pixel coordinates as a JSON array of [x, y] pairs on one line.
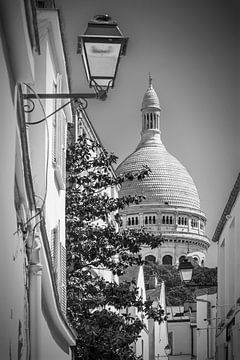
[[177, 293], [96, 307]]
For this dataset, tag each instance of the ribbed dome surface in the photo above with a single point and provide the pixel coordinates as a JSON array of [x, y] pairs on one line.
[[150, 99], [168, 182]]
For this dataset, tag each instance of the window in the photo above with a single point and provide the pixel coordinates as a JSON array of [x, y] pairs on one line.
[[59, 130], [167, 219], [151, 121], [150, 219], [194, 223], [150, 259], [167, 260], [58, 256], [132, 220], [182, 220], [181, 259]]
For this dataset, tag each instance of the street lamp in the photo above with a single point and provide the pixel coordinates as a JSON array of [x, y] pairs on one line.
[[185, 269], [101, 47]]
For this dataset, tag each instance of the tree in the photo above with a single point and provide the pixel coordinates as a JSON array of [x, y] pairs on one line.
[[177, 293], [97, 308]]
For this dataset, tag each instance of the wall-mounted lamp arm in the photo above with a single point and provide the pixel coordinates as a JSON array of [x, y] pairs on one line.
[[101, 96]]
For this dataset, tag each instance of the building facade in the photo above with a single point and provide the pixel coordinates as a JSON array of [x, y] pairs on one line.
[[32, 260], [206, 322], [171, 205], [227, 236]]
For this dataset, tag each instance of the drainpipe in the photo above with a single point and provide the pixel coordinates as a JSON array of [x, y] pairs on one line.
[[35, 294]]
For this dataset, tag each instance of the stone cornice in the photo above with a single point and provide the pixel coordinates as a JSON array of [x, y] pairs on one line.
[[187, 237]]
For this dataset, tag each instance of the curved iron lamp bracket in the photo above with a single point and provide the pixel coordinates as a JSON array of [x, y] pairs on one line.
[[100, 94]]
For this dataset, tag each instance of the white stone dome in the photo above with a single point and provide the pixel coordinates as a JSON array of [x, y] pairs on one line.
[[168, 183], [171, 206]]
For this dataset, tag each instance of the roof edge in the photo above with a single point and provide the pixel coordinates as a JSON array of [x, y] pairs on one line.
[[228, 208]]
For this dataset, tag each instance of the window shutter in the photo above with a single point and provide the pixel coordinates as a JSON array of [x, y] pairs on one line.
[[63, 149], [54, 128], [63, 295], [54, 247]]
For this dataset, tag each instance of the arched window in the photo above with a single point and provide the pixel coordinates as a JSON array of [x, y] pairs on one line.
[[150, 219], [132, 220], [129, 221], [163, 219], [151, 121], [167, 260], [150, 259], [144, 121], [136, 220], [179, 221], [194, 223], [170, 219], [154, 219], [167, 220], [181, 259], [185, 221], [146, 220], [155, 121]]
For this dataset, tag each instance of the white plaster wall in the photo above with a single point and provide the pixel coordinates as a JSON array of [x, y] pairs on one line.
[[206, 329], [228, 283], [181, 337], [142, 345], [50, 347], [12, 256]]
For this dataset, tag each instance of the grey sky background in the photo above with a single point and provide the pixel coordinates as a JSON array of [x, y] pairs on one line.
[[192, 49]]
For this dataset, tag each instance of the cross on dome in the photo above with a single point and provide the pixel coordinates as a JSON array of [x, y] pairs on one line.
[[150, 80]]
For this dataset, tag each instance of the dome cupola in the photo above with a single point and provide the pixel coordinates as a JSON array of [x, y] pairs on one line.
[[169, 182], [150, 112], [150, 99]]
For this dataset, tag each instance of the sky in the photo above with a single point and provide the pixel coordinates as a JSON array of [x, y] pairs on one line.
[[191, 48]]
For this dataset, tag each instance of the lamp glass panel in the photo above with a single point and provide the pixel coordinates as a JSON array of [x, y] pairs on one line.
[[102, 60], [186, 274], [85, 65]]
